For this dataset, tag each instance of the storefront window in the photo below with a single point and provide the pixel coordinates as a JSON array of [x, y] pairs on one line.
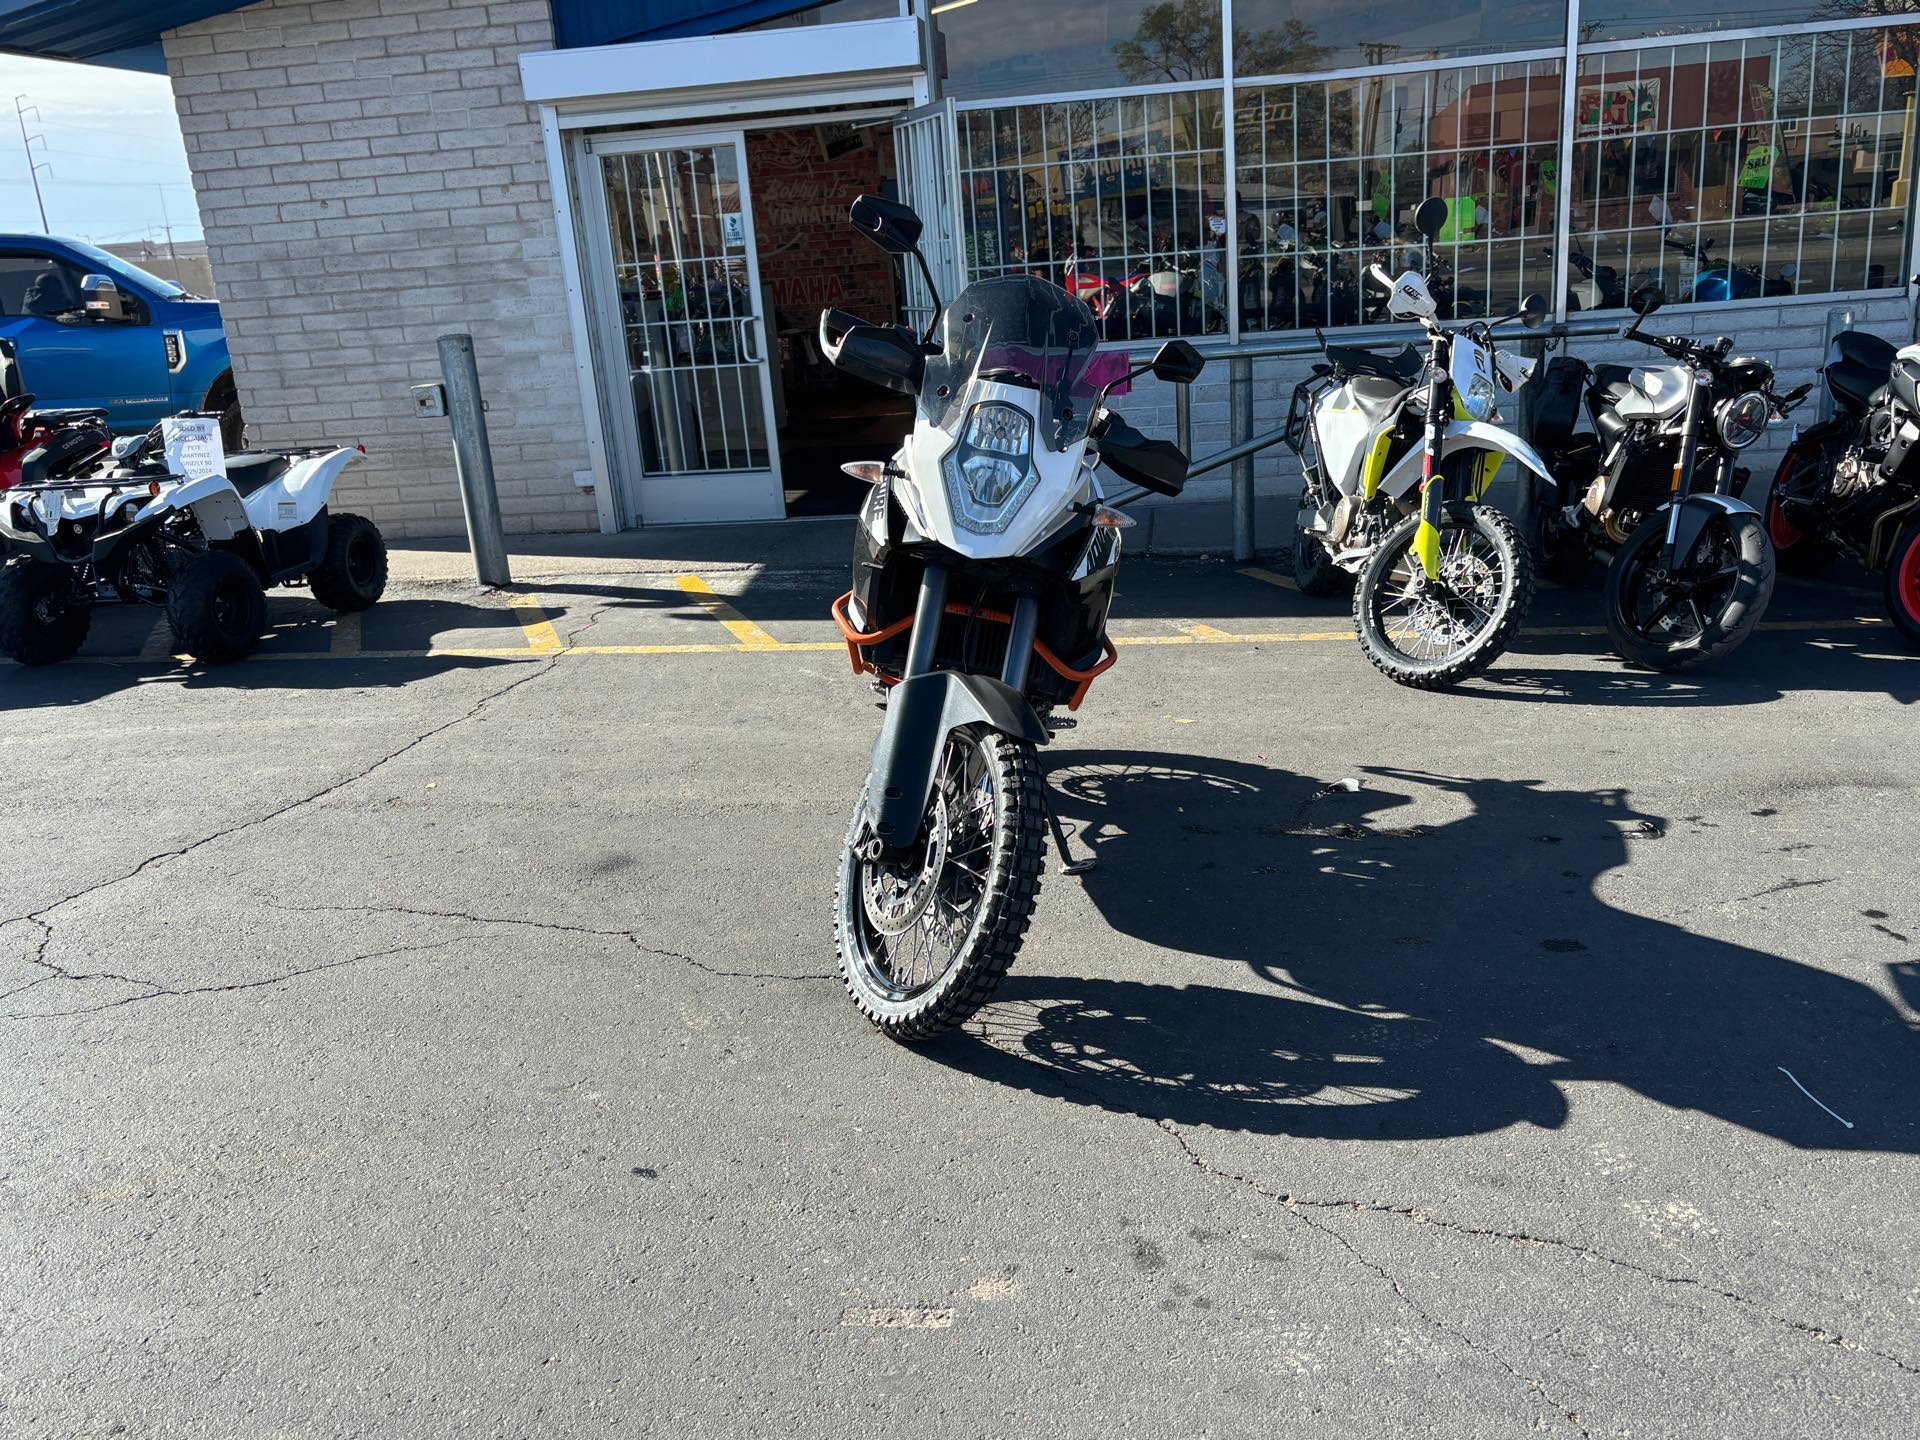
[[1744, 168], [1287, 37], [1331, 173], [1037, 47], [1603, 20], [1122, 201]]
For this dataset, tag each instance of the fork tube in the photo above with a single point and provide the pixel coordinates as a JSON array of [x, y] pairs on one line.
[[1020, 637], [927, 617], [1683, 465]]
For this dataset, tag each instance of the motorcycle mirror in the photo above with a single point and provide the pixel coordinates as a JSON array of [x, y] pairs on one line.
[[1647, 299], [889, 224], [1658, 208], [1533, 310], [1431, 218], [1178, 363]]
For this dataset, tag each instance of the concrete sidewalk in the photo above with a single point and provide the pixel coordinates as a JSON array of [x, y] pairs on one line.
[[1200, 528]]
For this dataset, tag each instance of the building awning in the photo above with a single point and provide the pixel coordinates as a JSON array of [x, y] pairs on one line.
[[613, 22], [121, 33], [126, 33]]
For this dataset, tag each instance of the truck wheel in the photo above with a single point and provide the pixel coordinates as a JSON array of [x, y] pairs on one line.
[[353, 572], [42, 621], [224, 400], [217, 607]]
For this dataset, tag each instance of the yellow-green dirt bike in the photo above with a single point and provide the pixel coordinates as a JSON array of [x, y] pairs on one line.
[[1397, 454]]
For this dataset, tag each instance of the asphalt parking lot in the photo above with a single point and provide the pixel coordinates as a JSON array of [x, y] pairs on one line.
[[428, 1028]]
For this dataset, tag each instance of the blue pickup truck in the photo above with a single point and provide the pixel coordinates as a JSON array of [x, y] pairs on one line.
[[95, 332]]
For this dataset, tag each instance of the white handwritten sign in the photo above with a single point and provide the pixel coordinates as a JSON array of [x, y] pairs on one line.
[[193, 447]]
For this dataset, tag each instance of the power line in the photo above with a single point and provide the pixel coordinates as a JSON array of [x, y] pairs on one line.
[[107, 184]]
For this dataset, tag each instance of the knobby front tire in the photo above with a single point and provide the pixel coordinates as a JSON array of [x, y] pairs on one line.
[[876, 968], [1491, 533]]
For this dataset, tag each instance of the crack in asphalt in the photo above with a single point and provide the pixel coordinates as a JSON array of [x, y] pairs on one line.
[[163, 856], [1532, 1382], [1418, 1216], [1434, 1322], [38, 918], [1297, 1205], [156, 991], [631, 937]]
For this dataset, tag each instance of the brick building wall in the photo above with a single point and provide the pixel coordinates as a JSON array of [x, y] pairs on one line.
[[369, 179]]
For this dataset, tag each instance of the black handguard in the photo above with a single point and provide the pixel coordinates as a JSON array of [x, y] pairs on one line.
[[1156, 465]]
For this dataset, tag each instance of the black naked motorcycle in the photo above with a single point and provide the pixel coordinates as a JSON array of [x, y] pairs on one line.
[[1851, 485], [983, 566], [1655, 481]]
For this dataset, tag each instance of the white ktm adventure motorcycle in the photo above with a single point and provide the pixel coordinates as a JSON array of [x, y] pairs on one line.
[[1397, 452], [983, 566]]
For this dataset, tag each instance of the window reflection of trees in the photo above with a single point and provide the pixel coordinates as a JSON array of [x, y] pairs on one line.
[[1121, 200], [1744, 168], [1331, 173]]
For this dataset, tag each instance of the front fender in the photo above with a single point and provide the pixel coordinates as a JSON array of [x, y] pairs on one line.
[[1696, 510], [1462, 436], [214, 503], [921, 712]]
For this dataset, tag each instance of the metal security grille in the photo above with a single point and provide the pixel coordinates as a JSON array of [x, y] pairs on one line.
[[1745, 168], [688, 311], [923, 142], [1122, 200], [1330, 174]]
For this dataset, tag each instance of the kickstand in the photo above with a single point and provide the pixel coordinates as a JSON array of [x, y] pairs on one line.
[[1068, 865]]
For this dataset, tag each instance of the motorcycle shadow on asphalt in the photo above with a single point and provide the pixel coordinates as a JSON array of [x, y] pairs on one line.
[[1767, 667], [1420, 980]]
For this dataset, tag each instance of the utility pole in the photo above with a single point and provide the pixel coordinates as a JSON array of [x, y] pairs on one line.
[[166, 224], [33, 168]]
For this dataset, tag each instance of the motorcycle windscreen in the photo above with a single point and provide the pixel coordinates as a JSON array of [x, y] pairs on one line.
[[1016, 330]]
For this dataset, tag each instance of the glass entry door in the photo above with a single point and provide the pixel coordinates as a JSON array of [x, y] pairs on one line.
[[683, 335]]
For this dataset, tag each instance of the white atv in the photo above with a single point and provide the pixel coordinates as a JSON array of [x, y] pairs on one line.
[[206, 549]]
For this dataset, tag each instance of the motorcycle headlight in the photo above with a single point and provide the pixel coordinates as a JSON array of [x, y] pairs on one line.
[[990, 473], [1743, 419], [1478, 401]]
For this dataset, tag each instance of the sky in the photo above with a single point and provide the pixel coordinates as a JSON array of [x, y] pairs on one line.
[[119, 171]]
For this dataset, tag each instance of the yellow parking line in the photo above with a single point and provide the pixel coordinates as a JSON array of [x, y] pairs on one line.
[[1254, 572], [543, 641], [542, 638], [750, 635], [346, 635]]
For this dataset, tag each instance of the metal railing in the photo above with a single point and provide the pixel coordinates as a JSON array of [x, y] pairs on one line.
[[1244, 444]]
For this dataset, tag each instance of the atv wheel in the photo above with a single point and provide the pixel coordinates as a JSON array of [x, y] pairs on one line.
[[216, 607], [42, 622], [353, 573]]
